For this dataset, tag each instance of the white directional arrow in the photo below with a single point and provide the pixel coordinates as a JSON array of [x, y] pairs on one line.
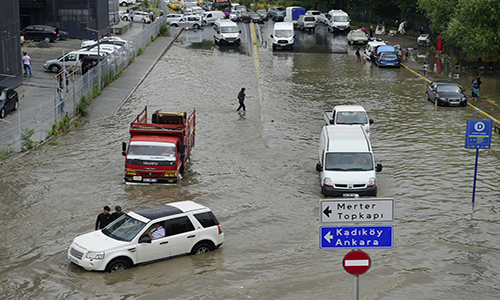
[[328, 237]]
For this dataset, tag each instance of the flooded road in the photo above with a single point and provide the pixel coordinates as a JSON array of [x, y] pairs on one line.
[[256, 171]]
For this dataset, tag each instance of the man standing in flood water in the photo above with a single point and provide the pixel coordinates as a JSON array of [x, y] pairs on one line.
[[241, 99]]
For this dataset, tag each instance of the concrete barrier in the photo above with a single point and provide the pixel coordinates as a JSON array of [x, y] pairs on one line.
[[121, 27]]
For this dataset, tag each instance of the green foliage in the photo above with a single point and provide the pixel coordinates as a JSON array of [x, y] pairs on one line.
[[95, 90], [53, 131], [153, 38], [475, 27], [164, 30], [5, 153], [26, 142], [141, 50], [83, 105], [439, 12], [145, 4], [61, 126]]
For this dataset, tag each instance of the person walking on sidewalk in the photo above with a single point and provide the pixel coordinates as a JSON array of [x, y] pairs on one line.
[[475, 88], [27, 64], [241, 99]]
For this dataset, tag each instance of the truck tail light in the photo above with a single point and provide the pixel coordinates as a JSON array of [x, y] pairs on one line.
[[220, 230]]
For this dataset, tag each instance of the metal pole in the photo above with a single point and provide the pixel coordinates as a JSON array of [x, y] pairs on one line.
[[356, 287], [20, 137], [475, 175]]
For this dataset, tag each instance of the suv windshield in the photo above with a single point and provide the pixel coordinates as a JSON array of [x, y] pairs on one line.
[[348, 162], [124, 228]]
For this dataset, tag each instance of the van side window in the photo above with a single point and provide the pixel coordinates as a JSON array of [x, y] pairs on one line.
[[179, 225]]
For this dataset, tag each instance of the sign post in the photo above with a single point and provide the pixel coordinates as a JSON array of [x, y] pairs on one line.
[[356, 263], [478, 135]]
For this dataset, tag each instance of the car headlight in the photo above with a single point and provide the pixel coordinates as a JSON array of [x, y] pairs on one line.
[[327, 182], [371, 182], [95, 255]]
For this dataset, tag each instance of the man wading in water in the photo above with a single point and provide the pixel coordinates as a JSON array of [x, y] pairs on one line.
[[241, 99]]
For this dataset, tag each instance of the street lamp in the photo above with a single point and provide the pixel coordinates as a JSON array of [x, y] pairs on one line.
[[98, 38]]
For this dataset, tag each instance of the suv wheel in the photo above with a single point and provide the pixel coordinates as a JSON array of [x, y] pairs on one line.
[[116, 265], [16, 105], [196, 26], [2, 113], [47, 39], [201, 248]]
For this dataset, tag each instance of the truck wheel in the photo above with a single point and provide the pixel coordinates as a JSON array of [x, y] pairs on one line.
[[116, 265], [201, 248]]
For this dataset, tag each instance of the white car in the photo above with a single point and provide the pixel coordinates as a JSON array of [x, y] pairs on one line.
[[188, 228], [173, 17], [127, 2], [193, 21], [139, 16]]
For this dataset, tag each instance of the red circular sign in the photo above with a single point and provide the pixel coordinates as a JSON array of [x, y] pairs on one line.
[[356, 262]]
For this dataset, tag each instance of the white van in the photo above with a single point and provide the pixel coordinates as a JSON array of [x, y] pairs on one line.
[[226, 32], [283, 35], [338, 21], [349, 115], [346, 163], [209, 17]]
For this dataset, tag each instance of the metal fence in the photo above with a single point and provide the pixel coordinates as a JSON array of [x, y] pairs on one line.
[[71, 91]]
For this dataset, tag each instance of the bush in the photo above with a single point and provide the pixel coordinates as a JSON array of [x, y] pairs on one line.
[[164, 30], [26, 142]]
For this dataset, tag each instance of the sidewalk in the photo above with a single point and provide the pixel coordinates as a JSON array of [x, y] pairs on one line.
[[117, 93], [488, 108]]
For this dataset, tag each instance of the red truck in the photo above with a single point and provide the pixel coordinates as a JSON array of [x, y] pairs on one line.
[[158, 152]]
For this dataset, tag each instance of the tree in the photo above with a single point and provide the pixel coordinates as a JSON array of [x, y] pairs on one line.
[[439, 12], [475, 27]]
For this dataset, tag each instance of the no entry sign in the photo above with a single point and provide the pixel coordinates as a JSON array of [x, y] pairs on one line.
[[356, 262]]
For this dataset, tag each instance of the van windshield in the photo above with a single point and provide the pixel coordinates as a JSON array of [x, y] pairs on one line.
[[283, 33], [124, 228], [351, 161], [351, 117], [340, 18], [229, 29]]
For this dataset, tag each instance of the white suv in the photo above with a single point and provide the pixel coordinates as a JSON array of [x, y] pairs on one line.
[[189, 228]]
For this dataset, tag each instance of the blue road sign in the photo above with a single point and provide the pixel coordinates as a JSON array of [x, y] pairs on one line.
[[356, 237], [478, 134]]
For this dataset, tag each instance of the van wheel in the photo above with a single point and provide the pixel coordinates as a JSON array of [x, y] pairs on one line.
[[117, 265], [196, 26], [54, 69], [47, 39], [201, 248], [205, 23], [175, 25]]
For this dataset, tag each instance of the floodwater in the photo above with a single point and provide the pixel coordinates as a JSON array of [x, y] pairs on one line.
[[256, 171]]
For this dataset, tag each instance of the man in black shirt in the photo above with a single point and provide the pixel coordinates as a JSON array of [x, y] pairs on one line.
[[118, 213], [103, 219]]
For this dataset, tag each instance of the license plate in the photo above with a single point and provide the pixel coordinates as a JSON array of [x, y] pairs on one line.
[[390, 64], [137, 178], [150, 180], [74, 260], [350, 195]]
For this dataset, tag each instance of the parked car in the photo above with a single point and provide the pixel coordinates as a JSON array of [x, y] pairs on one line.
[[127, 2], [139, 16], [9, 101], [251, 16], [188, 6], [263, 14], [193, 21], [321, 18], [71, 59], [279, 16], [447, 93], [273, 10], [175, 5], [173, 17], [423, 40], [357, 37], [41, 33], [63, 34], [306, 22], [387, 56], [235, 16], [186, 228]]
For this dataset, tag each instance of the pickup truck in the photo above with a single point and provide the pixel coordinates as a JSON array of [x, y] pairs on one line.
[[348, 115], [158, 152]]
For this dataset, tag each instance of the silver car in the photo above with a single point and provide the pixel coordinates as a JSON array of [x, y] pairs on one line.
[[192, 21]]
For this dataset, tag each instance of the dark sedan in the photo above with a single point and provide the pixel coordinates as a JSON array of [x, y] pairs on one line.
[[9, 101], [447, 93], [251, 16]]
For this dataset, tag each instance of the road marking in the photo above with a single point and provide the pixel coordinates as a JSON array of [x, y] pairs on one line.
[[356, 262], [256, 59]]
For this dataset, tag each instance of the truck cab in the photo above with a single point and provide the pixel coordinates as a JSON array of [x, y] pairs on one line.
[[158, 152]]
